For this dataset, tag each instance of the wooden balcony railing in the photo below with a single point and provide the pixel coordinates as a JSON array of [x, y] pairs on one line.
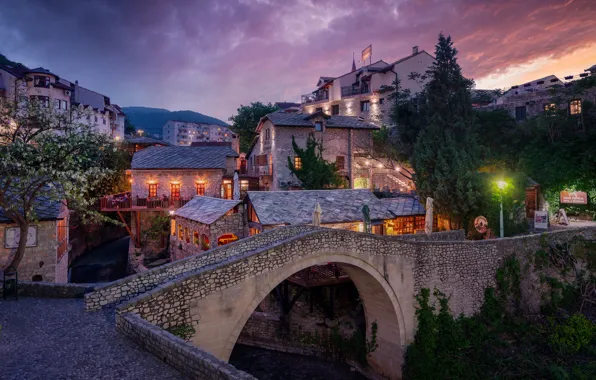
[[124, 202]]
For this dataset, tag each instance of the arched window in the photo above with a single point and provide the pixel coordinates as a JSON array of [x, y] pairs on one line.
[[226, 239], [186, 235], [195, 238], [173, 227], [205, 245]]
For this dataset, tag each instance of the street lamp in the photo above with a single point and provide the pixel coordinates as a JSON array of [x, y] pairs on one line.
[[501, 185]]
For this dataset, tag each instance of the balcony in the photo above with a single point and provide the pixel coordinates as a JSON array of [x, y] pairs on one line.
[[314, 98], [263, 170], [124, 202], [351, 91]]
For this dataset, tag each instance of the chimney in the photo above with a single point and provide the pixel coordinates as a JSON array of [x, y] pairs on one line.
[[77, 92], [414, 50]]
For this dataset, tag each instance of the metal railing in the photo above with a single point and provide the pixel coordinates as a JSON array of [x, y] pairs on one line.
[[313, 98], [350, 91]]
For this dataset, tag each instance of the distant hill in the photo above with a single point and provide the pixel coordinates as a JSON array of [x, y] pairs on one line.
[[151, 120]]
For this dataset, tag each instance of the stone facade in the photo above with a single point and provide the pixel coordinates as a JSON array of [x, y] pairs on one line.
[[42, 262], [190, 361], [231, 223], [337, 142], [387, 271], [212, 178]]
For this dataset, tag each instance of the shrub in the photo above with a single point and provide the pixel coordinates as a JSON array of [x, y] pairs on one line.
[[574, 334]]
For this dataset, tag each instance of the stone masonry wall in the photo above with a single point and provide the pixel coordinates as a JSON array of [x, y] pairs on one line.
[[186, 178], [168, 304], [131, 286], [227, 224], [39, 260], [189, 360]]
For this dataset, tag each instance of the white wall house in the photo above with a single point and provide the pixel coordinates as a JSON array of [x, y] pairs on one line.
[[53, 91], [365, 91], [185, 133]]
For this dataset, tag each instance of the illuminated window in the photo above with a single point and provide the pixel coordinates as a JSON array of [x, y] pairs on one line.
[[175, 190], [550, 107], [226, 239], [319, 126], [335, 109], [205, 242], [201, 188], [243, 185], [186, 235], [340, 162], [575, 107], [297, 163], [180, 233], [195, 239], [173, 227], [152, 190]]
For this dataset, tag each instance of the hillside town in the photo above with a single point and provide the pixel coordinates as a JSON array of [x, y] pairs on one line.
[[397, 221]]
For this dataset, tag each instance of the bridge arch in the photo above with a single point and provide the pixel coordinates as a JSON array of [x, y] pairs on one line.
[[380, 304]]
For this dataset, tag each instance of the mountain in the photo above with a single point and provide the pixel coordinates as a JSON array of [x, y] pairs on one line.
[[151, 120]]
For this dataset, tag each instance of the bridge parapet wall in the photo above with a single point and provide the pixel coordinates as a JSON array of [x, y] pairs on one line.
[[131, 286]]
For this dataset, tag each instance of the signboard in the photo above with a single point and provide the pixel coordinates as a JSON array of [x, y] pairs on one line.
[[13, 234], [574, 197], [481, 224], [540, 220], [366, 54]]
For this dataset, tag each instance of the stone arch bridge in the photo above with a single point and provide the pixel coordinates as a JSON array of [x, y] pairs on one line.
[[216, 292]]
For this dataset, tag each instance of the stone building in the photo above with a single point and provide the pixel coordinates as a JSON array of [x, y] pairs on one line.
[[340, 209], [47, 248], [364, 92], [165, 178], [542, 96], [346, 140], [203, 223]]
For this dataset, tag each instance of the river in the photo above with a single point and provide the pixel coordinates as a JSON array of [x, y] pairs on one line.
[[272, 365]]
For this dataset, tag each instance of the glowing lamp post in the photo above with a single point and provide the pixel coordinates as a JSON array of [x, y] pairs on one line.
[[501, 185]]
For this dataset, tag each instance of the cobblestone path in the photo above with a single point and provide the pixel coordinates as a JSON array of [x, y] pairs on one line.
[[55, 339]]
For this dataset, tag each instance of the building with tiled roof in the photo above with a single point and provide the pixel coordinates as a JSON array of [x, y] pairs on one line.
[[346, 140], [340, 208], [364, 91], [51, 90], [205, 222], [47, 246]]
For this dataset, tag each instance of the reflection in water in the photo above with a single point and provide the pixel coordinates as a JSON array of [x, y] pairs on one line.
[[272, 365]]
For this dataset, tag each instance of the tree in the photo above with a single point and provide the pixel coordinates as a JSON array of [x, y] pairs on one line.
[[47, 155], [247, 119], [314, 172], [446, 155], [129, 128]]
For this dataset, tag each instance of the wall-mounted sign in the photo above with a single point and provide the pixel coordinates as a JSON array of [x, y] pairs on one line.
[[13, 234], [574, 197], [481, 224], [540, 220]]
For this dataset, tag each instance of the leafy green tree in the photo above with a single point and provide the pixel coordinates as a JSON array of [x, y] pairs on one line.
[[129, 128], [314, 172], [446, 154], [47, 155], [247, 119]]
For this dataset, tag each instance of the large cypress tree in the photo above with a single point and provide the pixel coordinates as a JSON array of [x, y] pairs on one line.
[[446, 155]]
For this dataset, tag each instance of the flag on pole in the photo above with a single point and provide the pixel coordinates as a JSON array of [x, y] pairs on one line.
[[367, 54]]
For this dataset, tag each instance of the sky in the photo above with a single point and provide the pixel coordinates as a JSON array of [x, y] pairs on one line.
[[211, 56]]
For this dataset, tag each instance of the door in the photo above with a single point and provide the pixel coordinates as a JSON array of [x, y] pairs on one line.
[[226, 190]]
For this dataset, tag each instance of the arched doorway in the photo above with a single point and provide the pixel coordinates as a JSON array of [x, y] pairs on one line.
[[226, 239], [379, 302]]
